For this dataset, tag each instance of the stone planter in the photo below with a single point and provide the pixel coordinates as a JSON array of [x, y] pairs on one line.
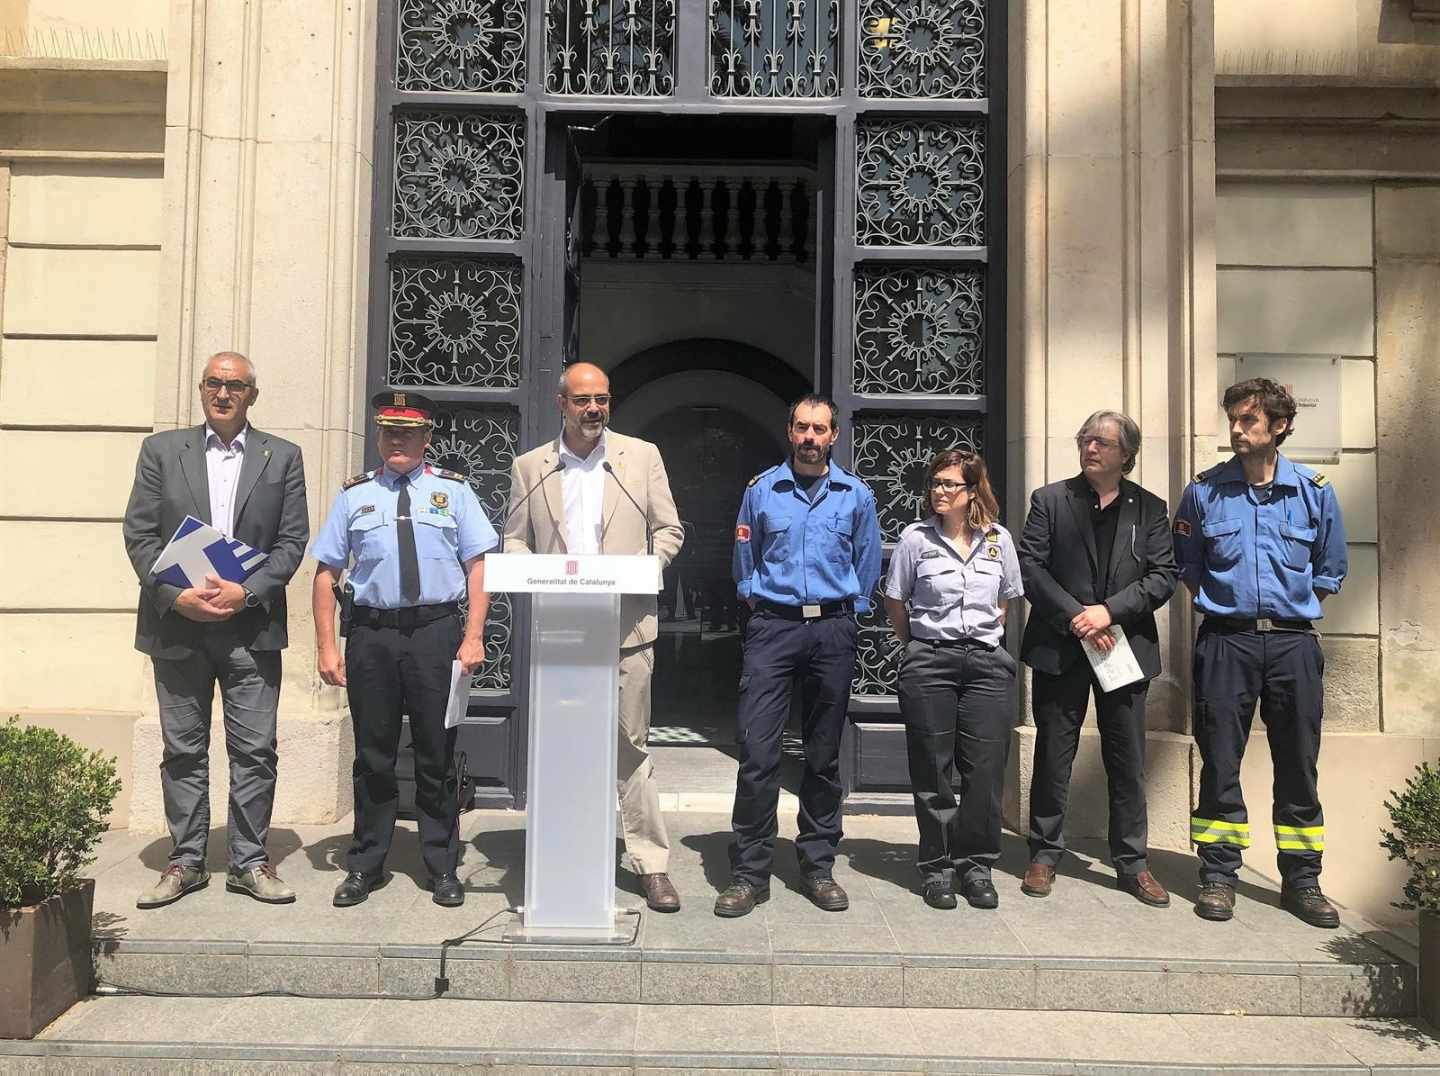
[[1427, 1001], [45, 962]]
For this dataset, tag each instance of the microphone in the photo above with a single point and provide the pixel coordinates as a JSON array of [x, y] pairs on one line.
[[649, 540], [505, 526]]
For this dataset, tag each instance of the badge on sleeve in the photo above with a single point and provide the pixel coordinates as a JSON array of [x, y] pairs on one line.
[[1182, 528], [742, 532], [993, 552], [440, 500]]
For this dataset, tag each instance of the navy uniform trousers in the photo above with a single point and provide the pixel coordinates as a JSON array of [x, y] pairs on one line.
[[1283, 670], [955, 699], [822, 653], [392, 671]]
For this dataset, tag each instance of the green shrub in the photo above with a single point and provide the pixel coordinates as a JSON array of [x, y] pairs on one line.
[[54, 796], [1415, 814]]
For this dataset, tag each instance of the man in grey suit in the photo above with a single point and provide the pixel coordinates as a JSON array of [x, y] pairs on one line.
[[250, 486]]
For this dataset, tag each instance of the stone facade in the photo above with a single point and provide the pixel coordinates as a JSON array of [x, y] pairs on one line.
[[1187, 182]]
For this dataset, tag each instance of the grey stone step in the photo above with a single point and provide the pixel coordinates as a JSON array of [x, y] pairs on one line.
[[1374, 984], [130, 1034]]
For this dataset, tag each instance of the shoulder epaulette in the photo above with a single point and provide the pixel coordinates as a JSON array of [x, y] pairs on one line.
[[759, 476], [1203, 475], [358, 479], [1318, 478], [454, 476]]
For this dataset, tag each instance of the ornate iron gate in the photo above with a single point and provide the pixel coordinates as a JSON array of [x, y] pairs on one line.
[[474, 255]]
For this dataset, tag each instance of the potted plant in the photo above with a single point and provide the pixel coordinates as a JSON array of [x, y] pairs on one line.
[[1415, 838], [54, 799]]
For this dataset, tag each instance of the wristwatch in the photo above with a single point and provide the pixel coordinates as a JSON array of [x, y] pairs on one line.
[[251, 601]]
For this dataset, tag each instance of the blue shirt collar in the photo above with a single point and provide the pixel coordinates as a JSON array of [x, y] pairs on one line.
[[1285, 474], [387, 476]]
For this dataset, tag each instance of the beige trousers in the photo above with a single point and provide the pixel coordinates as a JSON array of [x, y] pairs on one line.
[[645, 839]]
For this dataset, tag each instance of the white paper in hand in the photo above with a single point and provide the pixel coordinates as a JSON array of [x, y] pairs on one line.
[[459, 696], [1117, 666]]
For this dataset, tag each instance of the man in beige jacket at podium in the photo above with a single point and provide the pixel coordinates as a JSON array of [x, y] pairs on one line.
[[594, 491]]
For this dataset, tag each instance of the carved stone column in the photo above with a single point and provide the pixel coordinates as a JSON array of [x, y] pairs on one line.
[[267, 213]]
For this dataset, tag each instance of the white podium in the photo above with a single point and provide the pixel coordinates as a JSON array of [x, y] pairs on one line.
[[574, 724]]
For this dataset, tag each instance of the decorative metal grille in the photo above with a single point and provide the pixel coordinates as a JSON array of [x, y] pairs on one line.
[[877, 654], [481, 443], [919, 330], [459, 175], [475, 45], [922, 48], [892, 453], [623, 48], [454, 321], [774, 48], [921, 183]]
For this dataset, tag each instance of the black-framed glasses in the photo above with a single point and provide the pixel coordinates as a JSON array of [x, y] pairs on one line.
[[603, 399], [946, 485], [235, 388]]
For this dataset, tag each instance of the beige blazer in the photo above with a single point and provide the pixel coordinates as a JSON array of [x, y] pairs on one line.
[[539, 527]]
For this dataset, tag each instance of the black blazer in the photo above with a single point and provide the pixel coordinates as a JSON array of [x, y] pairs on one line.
[[1057, 562], [171, 482]]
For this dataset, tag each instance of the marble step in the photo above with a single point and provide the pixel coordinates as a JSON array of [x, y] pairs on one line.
[[141, 1034], [1364, 981]]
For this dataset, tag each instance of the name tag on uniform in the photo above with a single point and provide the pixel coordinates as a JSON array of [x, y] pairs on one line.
[[809, 612]]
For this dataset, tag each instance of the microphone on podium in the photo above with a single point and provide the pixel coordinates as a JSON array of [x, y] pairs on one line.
[[504, 526], [649, 539]]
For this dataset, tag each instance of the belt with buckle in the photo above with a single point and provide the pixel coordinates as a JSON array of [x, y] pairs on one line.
[[816, 611], [1262, 624], [411, 616]]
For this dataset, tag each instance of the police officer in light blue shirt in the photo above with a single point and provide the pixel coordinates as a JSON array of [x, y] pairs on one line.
[[806, 558], [1259, 543], [412, 538]]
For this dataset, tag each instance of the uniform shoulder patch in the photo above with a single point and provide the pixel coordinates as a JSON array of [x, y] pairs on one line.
[[454, 476], [1205, 474], [753, 480], [1318, 479], [357, 479]]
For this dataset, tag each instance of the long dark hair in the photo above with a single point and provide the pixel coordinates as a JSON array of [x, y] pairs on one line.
[[984, 508]]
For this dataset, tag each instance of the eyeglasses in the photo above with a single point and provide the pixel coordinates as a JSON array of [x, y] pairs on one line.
[[945, 485], [601, 400], [236, 388], [1102, 442]]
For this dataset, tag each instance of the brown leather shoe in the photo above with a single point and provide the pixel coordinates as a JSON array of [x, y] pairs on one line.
[[825, 893], [1144, 888], [660, 893], [1038, 881], [740, 899]]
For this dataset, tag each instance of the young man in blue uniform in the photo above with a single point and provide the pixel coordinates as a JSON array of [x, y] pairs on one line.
[[1260, 544], [806, 559], [417, 538]]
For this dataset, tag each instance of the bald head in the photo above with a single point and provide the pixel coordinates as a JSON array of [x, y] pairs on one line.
[[582, 371], [584, 400]]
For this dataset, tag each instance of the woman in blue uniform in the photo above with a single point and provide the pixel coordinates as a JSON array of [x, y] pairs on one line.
[[951, 577]]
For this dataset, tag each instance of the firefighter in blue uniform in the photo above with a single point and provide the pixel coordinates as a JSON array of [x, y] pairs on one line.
[[1260, 544], [806, 559], [417, 537]]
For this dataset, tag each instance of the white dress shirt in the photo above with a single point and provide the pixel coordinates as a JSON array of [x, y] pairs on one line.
[[584, 483], [222, 463]]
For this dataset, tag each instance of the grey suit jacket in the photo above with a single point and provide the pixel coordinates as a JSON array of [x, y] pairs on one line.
[[171, 482], [539, 526]]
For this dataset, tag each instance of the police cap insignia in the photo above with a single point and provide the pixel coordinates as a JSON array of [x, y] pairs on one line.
[[742, 533], [357, 479], [440, 500], [1182, 528]]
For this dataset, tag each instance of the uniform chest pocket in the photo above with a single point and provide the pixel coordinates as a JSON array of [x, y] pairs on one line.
[[367, 535], [938, 583], [1223, 542], [435, 535], [840, 530], [775, 528], [1296, 544], [985, 576]]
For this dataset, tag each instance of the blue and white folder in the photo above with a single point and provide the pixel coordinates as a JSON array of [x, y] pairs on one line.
[[198, 550]]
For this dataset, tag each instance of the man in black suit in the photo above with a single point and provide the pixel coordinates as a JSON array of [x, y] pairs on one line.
[[1096, 551], [250, 486]]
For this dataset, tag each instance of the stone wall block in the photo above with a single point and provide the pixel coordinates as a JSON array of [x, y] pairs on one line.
[[1356, 609], [39, 559], [119, 376], [1352, 669], [1287, 310], [88, 662]]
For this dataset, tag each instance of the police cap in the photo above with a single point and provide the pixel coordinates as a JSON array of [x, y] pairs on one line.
[[403, 409]]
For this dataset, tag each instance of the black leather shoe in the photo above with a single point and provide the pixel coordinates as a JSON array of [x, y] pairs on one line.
[[356, 888], [940, 895], [1216, 902], [825, 893], [1309, 905], [740, 899], [449, 893], [979, 893]]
